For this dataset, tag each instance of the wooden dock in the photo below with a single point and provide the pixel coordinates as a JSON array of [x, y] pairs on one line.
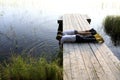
[[87, 61]]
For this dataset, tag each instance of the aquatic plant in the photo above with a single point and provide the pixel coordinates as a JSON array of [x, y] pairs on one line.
[[28, 68], [112, 28]]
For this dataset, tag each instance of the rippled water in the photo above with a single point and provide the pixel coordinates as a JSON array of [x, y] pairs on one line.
[[27, 31]]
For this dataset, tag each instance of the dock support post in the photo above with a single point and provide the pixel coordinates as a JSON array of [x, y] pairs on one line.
[[60, 26]]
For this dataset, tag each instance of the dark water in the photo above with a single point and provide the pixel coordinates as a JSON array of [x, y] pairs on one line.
[[33, 32], [27, 31]]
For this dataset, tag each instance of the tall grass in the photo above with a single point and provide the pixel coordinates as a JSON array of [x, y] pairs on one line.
[[28, 68], [112, 28]]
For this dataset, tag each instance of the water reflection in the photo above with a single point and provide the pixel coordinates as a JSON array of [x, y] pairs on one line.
[[25, 31]]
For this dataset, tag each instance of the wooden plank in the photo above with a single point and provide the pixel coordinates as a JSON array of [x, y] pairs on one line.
[[75, 75], [84, 23], [104, 52], [87, 61], [81, 68], [105, 73], [86, 17], [66, 64], [74, 67], [81, 64], [66, 57]]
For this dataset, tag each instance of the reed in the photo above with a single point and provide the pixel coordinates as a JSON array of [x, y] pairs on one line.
[[28, 68], [112, 28]]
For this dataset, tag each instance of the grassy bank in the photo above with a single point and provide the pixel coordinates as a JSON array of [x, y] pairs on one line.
[[112, 28], [28, 68]]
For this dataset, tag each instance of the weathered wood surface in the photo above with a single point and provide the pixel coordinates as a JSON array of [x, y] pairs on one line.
[[87, 61]]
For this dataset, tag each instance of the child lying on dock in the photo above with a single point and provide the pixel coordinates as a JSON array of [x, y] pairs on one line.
[[79, 36]]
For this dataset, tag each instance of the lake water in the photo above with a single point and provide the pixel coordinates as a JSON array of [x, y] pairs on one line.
[[33, 31], [25, 31]]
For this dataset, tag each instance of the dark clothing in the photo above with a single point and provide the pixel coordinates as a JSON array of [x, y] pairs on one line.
[[81, 39]]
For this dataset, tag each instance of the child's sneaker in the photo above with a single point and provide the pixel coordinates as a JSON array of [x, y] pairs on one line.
[[99, 38]]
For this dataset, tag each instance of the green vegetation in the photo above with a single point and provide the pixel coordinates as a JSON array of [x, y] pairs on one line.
[[112, 28], [28, 68]]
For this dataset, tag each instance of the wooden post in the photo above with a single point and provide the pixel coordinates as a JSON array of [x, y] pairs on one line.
[[60, 22], [88, 20]]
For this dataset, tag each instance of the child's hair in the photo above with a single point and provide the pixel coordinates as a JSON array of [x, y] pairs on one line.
[[58, 37]]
